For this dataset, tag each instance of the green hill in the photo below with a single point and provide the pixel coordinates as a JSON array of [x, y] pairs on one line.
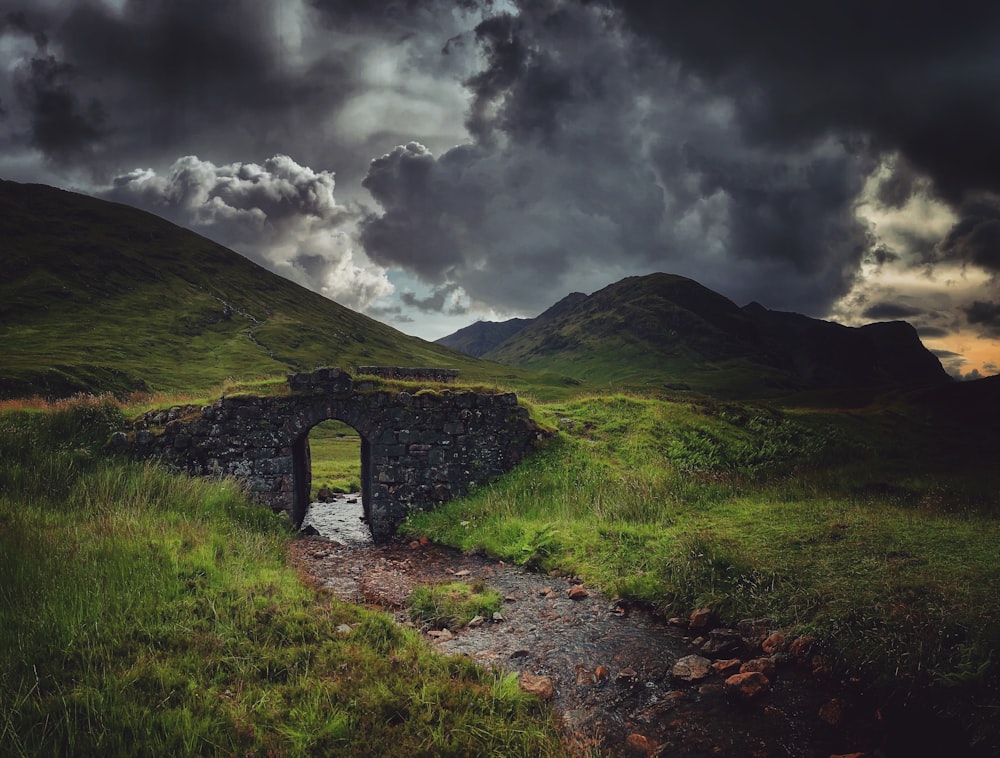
[[100, 296], [663, 329]]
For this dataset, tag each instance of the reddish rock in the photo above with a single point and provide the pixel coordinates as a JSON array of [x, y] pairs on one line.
[[801, 647], [831, 713], [536, 685], [638, 745], [700, 620], [692, 668], [577, 592], [764, 665], [848, 755], [748, 686], [774, 643], [601, 673], [727, 667]]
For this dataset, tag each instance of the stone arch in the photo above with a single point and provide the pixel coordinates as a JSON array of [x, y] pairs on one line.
[[419, 448], [305, 421]]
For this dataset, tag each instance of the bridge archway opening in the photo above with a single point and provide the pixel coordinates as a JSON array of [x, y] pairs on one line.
[[332, 480]]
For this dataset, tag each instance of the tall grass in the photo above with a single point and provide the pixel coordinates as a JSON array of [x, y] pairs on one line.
[[144, 613], [836, 525]]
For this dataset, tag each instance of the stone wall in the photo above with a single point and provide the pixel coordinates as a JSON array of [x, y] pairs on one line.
[[410, 374], [417, 450]]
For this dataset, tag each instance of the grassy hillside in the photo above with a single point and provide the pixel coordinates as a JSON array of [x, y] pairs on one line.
[[100, 296]]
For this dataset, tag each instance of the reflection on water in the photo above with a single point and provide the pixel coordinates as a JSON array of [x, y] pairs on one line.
[[341, 519]]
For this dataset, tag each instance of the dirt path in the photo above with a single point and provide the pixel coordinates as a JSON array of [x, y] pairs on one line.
[[610, 665]]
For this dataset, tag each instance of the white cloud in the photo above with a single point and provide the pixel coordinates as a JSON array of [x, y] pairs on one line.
[[280, 214]]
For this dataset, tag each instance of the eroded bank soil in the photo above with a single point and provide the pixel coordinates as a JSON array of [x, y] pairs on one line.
[[610, 665]]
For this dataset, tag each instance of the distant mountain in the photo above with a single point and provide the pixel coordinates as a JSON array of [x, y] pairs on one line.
[[663, 329], [483, 336], [96, 296]]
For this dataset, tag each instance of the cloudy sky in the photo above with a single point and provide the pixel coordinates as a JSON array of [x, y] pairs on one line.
[[431, 163]]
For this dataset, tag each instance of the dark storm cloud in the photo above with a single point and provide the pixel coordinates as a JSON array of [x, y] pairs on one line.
[[890, 312], [63, 126], [985, 315], [151, 77], [919, 77], [976, 238], [594, 157], [439, 301], [112, 88], [932, 332]]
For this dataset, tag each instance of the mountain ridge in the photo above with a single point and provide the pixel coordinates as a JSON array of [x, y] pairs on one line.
[[668, 329]]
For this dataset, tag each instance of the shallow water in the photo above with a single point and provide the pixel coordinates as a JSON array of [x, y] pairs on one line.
[[342, 520]]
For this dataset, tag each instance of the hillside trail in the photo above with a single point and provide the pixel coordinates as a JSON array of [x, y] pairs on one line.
[[610, 664]]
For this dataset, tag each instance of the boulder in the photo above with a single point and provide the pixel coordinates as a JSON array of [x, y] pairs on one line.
[[691, 668], [727, 667], [748, 686], [701, 620], [536, 684], [764, 665], [723, 643], [774, 643]]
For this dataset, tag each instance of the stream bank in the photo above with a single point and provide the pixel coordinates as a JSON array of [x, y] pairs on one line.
[[610, 669], [623, 680]]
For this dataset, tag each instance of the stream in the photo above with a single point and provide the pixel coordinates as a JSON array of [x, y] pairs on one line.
[[610, 664]]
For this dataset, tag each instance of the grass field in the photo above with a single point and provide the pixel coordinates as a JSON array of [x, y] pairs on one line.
[[843, 525], [142, 612], [335, 449], [874, 529]]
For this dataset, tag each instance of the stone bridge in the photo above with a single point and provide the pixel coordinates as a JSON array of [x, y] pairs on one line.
[[417, 450]]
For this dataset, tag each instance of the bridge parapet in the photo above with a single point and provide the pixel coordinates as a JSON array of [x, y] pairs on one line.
[[412, 374], [329, 380], [417, 449]]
